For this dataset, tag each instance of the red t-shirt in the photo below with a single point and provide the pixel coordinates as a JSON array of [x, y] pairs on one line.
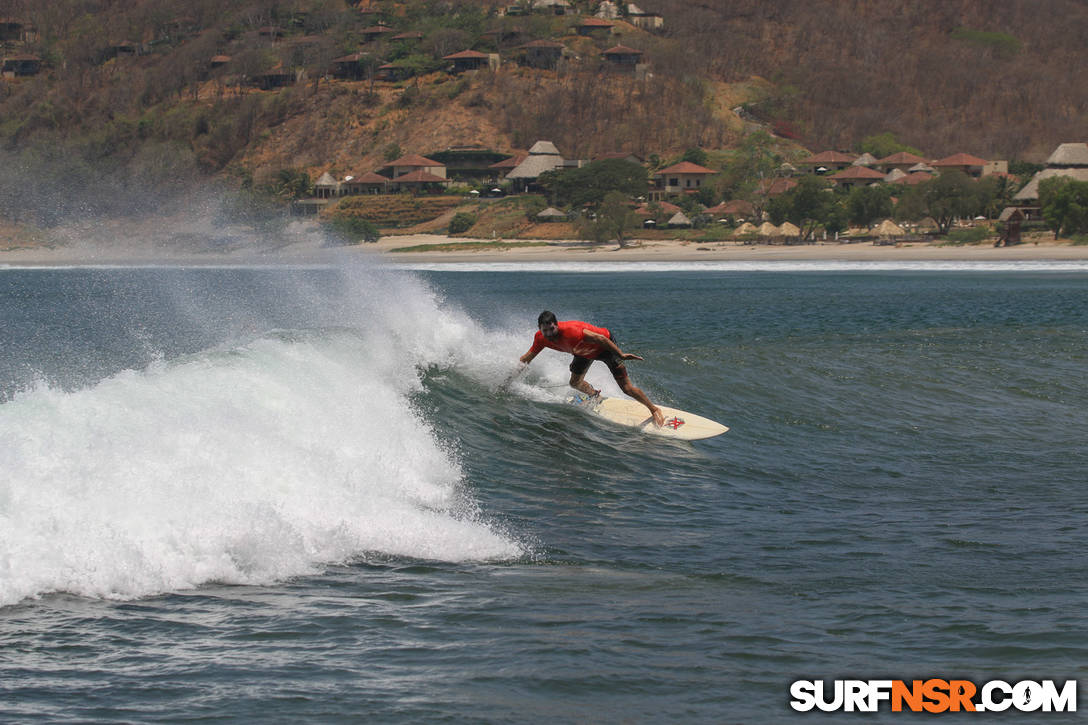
[[571, 339]]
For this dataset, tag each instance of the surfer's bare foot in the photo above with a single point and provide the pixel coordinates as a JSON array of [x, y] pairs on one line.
[[659, 417]]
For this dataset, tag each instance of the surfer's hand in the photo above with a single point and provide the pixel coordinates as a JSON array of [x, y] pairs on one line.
[[630, 356]]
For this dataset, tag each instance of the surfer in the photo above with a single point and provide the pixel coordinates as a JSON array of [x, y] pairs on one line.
[[587, 343]]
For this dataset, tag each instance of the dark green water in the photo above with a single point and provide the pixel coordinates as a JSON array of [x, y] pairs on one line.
[[299, 495]]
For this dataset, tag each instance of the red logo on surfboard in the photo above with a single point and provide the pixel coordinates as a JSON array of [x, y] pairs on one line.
[[674, 422]]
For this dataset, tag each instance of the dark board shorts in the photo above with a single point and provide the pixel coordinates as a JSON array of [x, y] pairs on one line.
[[579, 365]]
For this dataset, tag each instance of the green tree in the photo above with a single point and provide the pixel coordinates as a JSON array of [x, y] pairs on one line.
[[695, 156], [885, 144], [1065, 205], [461, 222], [614, 219], [807, 205], [867, 205], [950, 196], [590, 184]]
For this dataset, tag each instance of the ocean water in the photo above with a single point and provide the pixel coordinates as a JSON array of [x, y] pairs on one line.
[[303, 495]]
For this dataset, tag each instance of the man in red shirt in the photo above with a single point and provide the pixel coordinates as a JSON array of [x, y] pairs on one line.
[[587, 343]]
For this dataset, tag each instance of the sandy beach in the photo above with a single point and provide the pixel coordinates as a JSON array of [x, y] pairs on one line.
[[309, 250]]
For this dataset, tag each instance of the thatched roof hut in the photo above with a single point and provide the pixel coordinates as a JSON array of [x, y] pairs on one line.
[[679, 219], [1069, 155], [551, 214], [888, 228], [766, 229], [789, 230], [745, 228]]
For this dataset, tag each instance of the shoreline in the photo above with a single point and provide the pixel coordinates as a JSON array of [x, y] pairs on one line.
[[554, 251]]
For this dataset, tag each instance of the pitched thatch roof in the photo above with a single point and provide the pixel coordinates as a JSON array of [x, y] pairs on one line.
[[789, 230], [326, 179], [888, 228], [544, 147], [913, 179], [866, 159], [1069, 154], [894, 175], [679, 219], [746, 228], [551, 213], [1030, 192], [766, 229], [534, 165], [922, 166]]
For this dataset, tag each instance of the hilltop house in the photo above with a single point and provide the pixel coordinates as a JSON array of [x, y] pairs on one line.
[[900, 160], [21, 64], [349, 67], [542, 53], [594, 26], [682, 178], [468, 60], [856, 176], [411, 163], [642, 19], [968, 164], [376, 32], [366, 183], [826, 161], [622, 58]]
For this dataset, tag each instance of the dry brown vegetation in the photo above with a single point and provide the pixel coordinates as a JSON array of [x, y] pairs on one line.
[[1000, 80]]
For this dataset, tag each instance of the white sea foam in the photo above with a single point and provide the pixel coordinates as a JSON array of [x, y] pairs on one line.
[[258, 461]]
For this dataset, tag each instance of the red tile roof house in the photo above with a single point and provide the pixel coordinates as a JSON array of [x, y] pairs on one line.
[[413, 162], [622, 57], [735, 208], [856, 176], [348, 66], [900, 160], [774, 187], [367, 183], [592, 26], [968, 164], [468, 60], [375, 32], [542, 53], [418, 181], [828, 161], [682, 178]]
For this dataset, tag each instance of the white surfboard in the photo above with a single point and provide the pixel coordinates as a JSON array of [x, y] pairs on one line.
[[679, 424]]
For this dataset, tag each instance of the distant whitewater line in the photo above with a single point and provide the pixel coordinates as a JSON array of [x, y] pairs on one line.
[[1038, 265]]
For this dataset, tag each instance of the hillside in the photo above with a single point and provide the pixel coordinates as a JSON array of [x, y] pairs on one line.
[[126, 100]]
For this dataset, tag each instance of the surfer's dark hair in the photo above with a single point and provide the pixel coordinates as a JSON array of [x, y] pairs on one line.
[[546, 318]]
